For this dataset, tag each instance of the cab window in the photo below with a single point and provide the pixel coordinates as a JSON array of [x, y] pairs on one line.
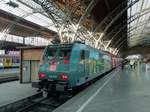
[[82, 54], [64, 53], [51, 53]]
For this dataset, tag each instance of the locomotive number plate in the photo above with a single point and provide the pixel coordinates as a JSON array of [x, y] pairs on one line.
[[53, 67]]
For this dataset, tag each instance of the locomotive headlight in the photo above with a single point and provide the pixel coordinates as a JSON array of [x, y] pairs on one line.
[[42, 75], [64, 77]]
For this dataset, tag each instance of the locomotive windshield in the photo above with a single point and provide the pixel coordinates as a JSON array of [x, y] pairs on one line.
[[64, 54], [58, 53], [51, 53]]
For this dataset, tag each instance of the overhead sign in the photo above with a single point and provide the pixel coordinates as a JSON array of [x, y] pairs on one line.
[[13, 53]]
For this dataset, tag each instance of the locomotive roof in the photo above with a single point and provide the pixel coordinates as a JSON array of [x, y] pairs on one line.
[[70, 45], [59, 45], [64, 45]]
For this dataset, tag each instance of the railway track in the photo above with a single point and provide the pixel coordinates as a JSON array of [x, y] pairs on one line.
[[35, 103], [43, 105]]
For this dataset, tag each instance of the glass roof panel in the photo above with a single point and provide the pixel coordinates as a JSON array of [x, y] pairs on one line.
[[26, 10], [28, 13], [139, 26]]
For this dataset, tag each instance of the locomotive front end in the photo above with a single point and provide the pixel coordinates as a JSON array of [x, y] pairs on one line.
[[54, 68]]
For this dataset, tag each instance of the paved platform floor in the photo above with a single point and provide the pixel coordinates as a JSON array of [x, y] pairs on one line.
[[126, 90], [14, 91]]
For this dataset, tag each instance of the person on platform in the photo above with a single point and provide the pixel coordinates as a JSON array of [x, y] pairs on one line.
[[122, 65], [132, 64]]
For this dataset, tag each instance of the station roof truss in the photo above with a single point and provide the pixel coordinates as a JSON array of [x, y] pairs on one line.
[[100, 23], [103, 24], [22, 25], [18, 26]]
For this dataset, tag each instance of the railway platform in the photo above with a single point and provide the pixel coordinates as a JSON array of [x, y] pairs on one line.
[[124, 90], [9, 74], [9, 71], [14, 91]]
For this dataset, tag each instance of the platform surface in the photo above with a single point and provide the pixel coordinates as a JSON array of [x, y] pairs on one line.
[[126, 90], [14, 91]]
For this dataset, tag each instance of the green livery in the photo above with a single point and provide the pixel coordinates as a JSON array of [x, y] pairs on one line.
[[65, 66]]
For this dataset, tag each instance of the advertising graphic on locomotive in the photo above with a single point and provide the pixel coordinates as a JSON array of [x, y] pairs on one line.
[[66, 66]]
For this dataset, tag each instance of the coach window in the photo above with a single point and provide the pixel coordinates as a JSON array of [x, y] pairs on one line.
[[82, 54]]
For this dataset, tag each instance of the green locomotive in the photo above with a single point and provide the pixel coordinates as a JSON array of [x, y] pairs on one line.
[[66, 66]]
